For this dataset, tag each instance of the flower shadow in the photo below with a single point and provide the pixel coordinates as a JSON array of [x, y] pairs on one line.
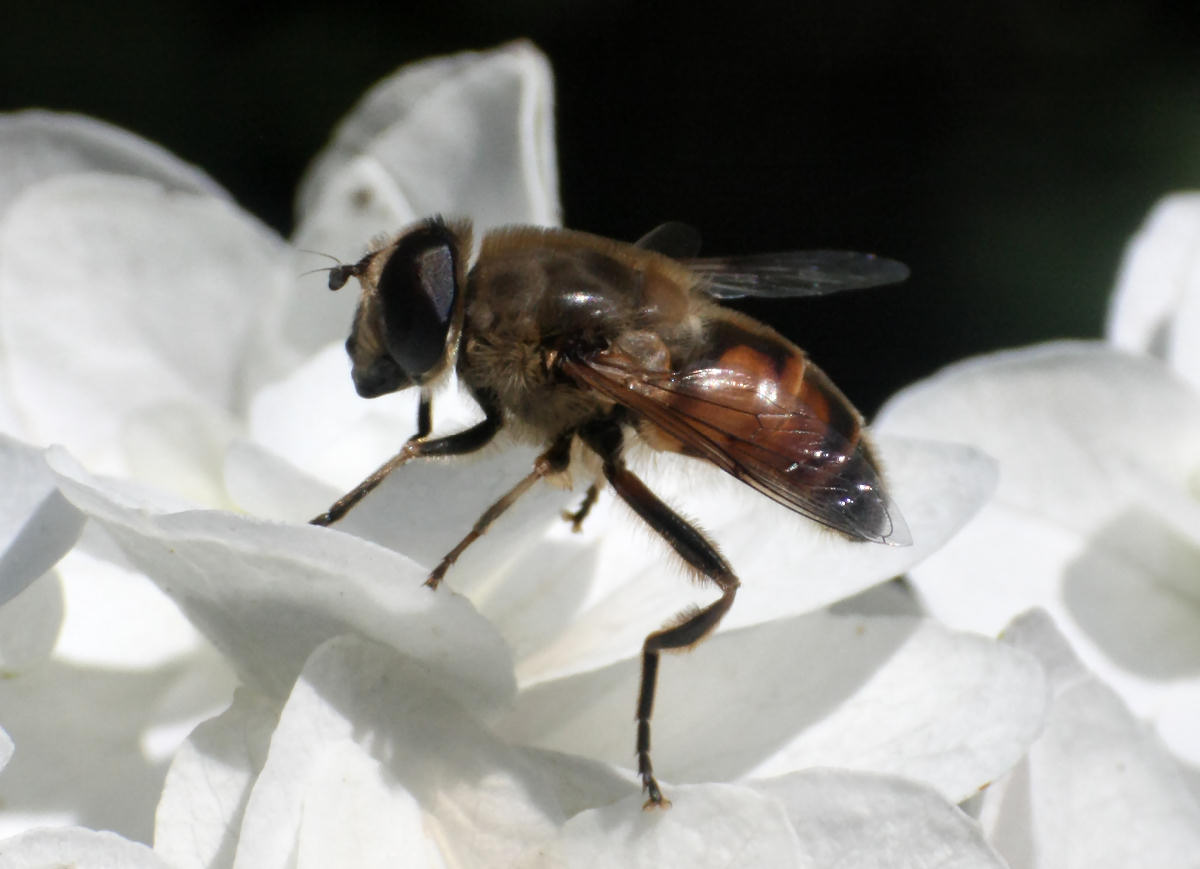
[[1128, 590], [737, 702], [89, 725]]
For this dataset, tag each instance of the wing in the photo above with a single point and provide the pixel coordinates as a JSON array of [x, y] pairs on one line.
[[779, 275], [673, 239], [773, 420], [795, 273]]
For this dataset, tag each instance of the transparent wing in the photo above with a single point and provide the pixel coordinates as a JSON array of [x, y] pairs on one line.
[[789, 274], [673, 239], [794, 273]]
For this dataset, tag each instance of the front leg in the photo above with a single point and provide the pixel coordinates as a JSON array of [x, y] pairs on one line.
[[700, 554], [420, 446]]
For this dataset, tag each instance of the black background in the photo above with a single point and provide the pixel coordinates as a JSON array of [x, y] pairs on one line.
[[1004, 151]]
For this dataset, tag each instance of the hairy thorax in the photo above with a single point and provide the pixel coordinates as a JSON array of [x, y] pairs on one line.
[[533, 297]]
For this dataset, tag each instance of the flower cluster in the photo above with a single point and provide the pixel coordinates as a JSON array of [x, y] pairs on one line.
[[194, 677]]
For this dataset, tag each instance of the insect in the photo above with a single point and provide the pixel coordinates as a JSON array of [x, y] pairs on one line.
[[566, 337]]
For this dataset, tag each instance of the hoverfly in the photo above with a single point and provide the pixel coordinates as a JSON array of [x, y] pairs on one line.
[[563, 336]]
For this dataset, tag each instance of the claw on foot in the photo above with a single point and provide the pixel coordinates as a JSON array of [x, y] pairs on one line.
[[656, 799]]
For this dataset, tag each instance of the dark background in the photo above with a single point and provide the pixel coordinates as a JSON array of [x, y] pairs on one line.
[[1004, 151]]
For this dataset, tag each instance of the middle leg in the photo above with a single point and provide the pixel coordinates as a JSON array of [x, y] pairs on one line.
[[553, 461]]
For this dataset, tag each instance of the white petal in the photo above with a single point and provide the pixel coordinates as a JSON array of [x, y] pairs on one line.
[[579, 784], [353, 813], [6, 748], [117, 296], [896, 695], [1184, 352], [36, 145], [1094, 517], [374, 761], [788, 564], [88, 742], [845, 818], [260, 483], [129, 679], [118, 619], [708, 825], [30, 624], [1156, 303], [315, 420], [266, 595], [468, 135], [37, 525], [1097, 790], [182, 443], [208, 784], [1066, 421], [568, 602], [85, 849]]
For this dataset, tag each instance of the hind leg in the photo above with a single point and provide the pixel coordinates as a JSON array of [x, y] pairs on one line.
[[697, 551]]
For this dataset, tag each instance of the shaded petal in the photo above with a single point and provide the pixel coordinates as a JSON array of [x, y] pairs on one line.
[[1096, 790], [30, 624], [1155, 308], [119, 295], [790, 565], [1094, 518], [467, 135], [374, 761], [894, 695], [128, 680], [88, 849], [38, 144], [37, 525], [262, 484], [578, 783], [708, 825], [116, 618], [208, 784], [846, 818], [266, 594], [183, 445], [1067, 421], [568, 602], [315, 420], [618, 593], [424, 508], [88, 741], [565, 601]]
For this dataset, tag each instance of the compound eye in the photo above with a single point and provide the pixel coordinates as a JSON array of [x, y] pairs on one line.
[[418, 286]]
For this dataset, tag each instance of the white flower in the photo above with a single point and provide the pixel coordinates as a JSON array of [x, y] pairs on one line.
[[1097, 790], [155, 330], [1096, 521], [141, 310], [1155, 308]]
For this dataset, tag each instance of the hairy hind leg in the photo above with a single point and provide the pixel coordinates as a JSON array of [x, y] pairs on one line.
[[701, 555]]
